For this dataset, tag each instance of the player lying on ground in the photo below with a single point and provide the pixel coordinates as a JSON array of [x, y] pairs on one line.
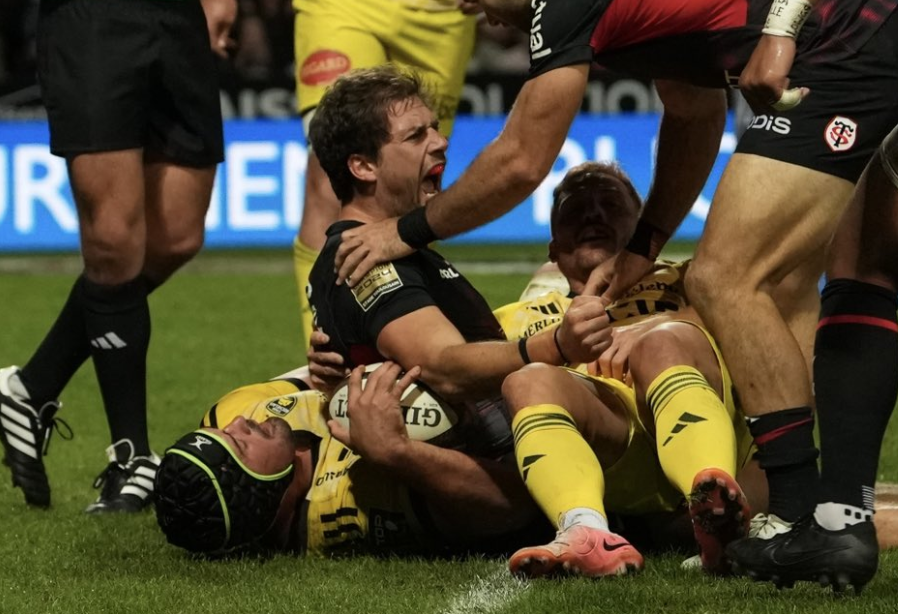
[[264, 472]]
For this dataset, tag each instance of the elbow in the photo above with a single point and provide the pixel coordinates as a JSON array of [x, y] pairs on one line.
[[528, 171]]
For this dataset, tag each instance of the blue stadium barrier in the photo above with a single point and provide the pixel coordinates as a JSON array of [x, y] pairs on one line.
[[258, 196]]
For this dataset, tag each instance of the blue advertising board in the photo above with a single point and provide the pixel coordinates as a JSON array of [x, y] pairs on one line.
[[258, 195]]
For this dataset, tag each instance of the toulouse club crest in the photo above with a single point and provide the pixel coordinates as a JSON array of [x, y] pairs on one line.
[[840, 133]]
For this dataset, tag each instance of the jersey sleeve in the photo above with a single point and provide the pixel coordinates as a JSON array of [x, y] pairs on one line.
[[561, 32], [388, 292]]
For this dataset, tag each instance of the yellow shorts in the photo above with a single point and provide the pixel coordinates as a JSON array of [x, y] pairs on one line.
[[636, 483], [335, 36]]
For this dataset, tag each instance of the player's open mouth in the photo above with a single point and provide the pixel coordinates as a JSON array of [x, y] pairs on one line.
[[433, 179]]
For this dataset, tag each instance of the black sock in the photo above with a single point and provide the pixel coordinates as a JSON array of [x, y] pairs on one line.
[[63, 350], [856, 375], [787, 453], [60, 354], [117, 321]]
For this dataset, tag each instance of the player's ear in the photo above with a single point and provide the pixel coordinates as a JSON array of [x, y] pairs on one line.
[[553, 251], [362, 168]]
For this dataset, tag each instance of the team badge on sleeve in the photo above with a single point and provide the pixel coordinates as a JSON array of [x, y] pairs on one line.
[[379, 281], [281, 406]]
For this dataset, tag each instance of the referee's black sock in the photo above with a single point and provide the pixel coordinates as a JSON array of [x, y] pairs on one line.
[[117, 321], [60, 354], [856, 383], [787, 453]]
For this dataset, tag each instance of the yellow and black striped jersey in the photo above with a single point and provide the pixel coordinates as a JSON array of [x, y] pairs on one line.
[[659, 291]]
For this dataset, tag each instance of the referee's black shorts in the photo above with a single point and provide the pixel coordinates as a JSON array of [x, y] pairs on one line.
[[125, 74]]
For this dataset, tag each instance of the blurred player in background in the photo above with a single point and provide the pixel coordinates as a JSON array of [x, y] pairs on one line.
[[332, 37], [265, 472], [132, 98]]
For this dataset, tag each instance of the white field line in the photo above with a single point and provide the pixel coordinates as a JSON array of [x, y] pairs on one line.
[[487, 595]]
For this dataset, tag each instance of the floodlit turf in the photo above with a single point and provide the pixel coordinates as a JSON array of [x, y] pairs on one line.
[[228, 320]]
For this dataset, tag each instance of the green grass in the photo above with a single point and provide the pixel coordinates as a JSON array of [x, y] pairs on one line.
[[230, 319]]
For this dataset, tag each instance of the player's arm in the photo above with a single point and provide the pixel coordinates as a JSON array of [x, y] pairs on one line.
[[765, 79], [483, 496], [458, 370], [504, 173], [688, 144]]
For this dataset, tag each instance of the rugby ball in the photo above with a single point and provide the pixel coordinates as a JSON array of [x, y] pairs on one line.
[[427, 417]]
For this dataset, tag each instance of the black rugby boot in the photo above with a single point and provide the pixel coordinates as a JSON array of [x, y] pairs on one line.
[[808, 552]]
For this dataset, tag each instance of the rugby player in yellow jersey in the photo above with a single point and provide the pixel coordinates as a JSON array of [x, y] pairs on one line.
[[264, 472]]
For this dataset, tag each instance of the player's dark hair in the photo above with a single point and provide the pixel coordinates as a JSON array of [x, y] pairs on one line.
[[208, 502], [353, 118], [588, 180]]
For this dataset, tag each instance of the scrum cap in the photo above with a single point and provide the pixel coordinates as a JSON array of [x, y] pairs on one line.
[[208, 501]]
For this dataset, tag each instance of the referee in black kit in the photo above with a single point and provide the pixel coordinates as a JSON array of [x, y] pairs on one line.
[[131, 92]]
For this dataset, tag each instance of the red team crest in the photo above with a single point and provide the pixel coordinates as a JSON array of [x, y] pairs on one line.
[[323, 67], [840, 133]]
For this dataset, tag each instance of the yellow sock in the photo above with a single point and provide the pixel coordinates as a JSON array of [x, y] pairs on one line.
[[303, 259], [693, 429], [559, 468]]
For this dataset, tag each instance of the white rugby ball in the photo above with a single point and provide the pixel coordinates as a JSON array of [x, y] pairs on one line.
[[427, 417]]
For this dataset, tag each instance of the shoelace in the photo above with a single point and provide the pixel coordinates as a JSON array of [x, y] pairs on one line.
[[54, 424]]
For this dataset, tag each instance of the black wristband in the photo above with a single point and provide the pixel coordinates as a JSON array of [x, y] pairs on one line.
[[522, 348], [414, 229], [558, 346], [647, 240]]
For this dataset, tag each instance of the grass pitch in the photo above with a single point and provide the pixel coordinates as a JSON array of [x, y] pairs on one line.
[[230, 319]]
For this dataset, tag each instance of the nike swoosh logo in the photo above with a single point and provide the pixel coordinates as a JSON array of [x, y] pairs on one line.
[[612, 547]]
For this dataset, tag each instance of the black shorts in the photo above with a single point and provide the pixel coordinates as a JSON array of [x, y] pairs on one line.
[[852, 106], [125, 74]]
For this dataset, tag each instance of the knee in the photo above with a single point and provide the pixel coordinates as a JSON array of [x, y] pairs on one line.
[[708, 282], [669, 345], [527, 386], [165, 257]]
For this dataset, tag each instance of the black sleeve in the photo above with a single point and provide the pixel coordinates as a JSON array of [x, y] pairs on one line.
[[560, 33], [393, 290]]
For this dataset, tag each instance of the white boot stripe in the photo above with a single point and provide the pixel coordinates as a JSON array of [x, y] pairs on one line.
[[14, 429], [15, 414], [142, 482], [130, 489], [23, 447], [146, 472]]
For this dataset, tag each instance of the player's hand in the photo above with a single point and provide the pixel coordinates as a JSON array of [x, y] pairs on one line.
[[366, 246], [376, 422], [585, 330], [326, 368], [469, 7], [765, 79], [614, 277], [220, 17], [615, 361]]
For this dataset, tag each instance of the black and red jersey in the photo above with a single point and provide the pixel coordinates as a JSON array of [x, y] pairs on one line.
[[703, 42]]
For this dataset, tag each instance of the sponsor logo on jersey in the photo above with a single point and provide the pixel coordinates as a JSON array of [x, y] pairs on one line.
[[840, 133], [449, 273], [380, 280], [323, 67], [199, 442], [773, 123], [281, 406], [536, 36], [389, 528]]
